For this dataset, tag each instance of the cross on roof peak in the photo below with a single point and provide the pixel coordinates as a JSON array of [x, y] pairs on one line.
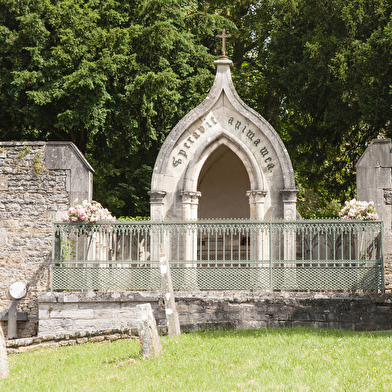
[[223, 36]]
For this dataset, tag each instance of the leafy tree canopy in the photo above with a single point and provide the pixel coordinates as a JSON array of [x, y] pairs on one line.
[[114, 77], [321, 74]]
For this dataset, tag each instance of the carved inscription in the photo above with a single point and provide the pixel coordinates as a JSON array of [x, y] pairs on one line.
[[188, 145], [251, 136]]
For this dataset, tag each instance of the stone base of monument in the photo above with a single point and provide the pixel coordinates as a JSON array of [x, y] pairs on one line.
[[150, 342]]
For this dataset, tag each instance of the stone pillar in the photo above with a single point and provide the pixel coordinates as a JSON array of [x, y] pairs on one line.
[[256, 202], [374, 183], [190, 204], [156, 204], [156, 211], [289, 197]]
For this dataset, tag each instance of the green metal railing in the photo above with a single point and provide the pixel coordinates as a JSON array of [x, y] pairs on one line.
[[220, 255]]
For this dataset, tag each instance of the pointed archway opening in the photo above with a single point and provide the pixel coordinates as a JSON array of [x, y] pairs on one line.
[[223, 183]]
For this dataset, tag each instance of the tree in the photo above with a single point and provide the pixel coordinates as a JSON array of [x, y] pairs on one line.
[[112, 77], [320, 72], [330, 64]]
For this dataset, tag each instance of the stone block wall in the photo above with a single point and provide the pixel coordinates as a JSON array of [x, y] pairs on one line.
[[61, 313], [38, 181]]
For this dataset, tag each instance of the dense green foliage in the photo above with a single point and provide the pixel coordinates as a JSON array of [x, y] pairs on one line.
[[114, 77], [330, 62]]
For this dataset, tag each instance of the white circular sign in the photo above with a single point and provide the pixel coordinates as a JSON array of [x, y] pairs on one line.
[[18, 290]]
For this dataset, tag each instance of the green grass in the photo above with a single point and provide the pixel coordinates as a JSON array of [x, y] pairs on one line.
[[297, 359]]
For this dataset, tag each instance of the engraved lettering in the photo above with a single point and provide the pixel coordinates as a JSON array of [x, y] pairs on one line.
[[256, 142], [264, 151], [186, 145], [269, 159], [250, 135], [176, 162], [270, 166], [213, 120], [201, 129], [237, 126], [182, 152], [231, 119], [208, 124], [190, 140], [196, 135], [243, 129]]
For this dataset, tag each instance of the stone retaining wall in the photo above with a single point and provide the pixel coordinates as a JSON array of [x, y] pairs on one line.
[[80, 312]]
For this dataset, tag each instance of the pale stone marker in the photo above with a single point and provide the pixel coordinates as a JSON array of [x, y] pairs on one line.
[[4, 369], [173, 323], [150, 342]]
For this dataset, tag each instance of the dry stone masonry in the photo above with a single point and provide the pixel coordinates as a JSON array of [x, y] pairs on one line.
[[38, 182], [62, 313]]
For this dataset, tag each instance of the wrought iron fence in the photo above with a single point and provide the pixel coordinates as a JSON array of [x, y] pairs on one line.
[[220, 255]]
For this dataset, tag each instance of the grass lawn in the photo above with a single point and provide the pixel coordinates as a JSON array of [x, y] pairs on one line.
[[296, 359]]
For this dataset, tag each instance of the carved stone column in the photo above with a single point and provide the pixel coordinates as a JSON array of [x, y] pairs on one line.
[[190, 204], [157, 214], [256, 202], [289, 203], [289, 197], [156, 204]]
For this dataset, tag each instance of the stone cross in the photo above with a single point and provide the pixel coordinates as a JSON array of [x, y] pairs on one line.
[[223, 36]]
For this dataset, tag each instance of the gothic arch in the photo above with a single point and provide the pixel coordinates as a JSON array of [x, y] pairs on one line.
[[194, 168]]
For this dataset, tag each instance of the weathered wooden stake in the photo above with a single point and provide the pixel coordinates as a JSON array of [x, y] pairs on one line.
[[173, 322], [4, 369], [150, 342]]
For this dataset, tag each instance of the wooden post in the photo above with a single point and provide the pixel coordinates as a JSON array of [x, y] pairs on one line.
[[173, 322]]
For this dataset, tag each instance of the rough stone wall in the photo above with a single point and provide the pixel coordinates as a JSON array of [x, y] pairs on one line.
[[81, 312], [32, 195]]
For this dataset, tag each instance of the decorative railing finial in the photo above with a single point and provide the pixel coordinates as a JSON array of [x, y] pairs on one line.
[[223, 36]]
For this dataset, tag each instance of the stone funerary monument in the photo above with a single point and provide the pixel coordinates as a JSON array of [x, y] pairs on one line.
[[223, 160]]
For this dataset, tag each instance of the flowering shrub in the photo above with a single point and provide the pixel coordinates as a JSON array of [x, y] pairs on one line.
[[360, 210], [83, 211]]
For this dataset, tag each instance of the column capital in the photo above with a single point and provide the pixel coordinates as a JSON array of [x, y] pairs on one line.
[[289, 195], [156, 197], [256, 193], [190, 193], [190, 196]]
